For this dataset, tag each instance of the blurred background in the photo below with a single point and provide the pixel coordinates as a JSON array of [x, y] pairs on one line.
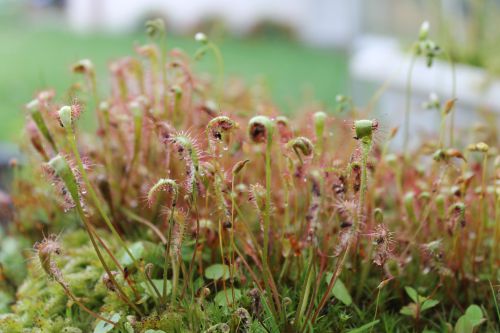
[[300, 49]]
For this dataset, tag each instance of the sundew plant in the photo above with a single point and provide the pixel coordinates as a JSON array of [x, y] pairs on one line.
[[196, 206]]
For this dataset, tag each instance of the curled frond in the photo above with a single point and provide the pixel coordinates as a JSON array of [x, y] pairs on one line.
[[219, 127], [378, 215], [260, 129], [45, 251], [301, 145], [163, 185], [284, 129], [456, 215], [188, 151], [244, 320], [84, 66], [185, 145], [155, 27], [239, 166]]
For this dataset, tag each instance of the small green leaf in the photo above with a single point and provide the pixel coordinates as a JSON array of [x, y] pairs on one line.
[[339, 290], [474, 314], [217, 271], [341, 293], [104, 327], [473, 317], [412, 293], [427, 304], [136, 249], [154, 331], [364, 327], [409, 310], [463, 325], [225, 298]]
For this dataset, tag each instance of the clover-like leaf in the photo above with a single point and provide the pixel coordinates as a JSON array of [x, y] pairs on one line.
[[136, 249], [217, 272], [472, 317]]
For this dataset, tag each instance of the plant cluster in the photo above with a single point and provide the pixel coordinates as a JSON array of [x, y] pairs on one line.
[[183, 213]]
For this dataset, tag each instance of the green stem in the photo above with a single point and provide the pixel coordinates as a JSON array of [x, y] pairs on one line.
[[93, 195], [376, 307], [83, 307], [267, 217], [231, 240], [157, 292], [221, 249], [362, 195], [365, 146], [267, 221], [37, 117], [72, 141], [171, 224], [175, 277], [305, 293], [91, 232], [332, 281], [197, 238], [494, 299]]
